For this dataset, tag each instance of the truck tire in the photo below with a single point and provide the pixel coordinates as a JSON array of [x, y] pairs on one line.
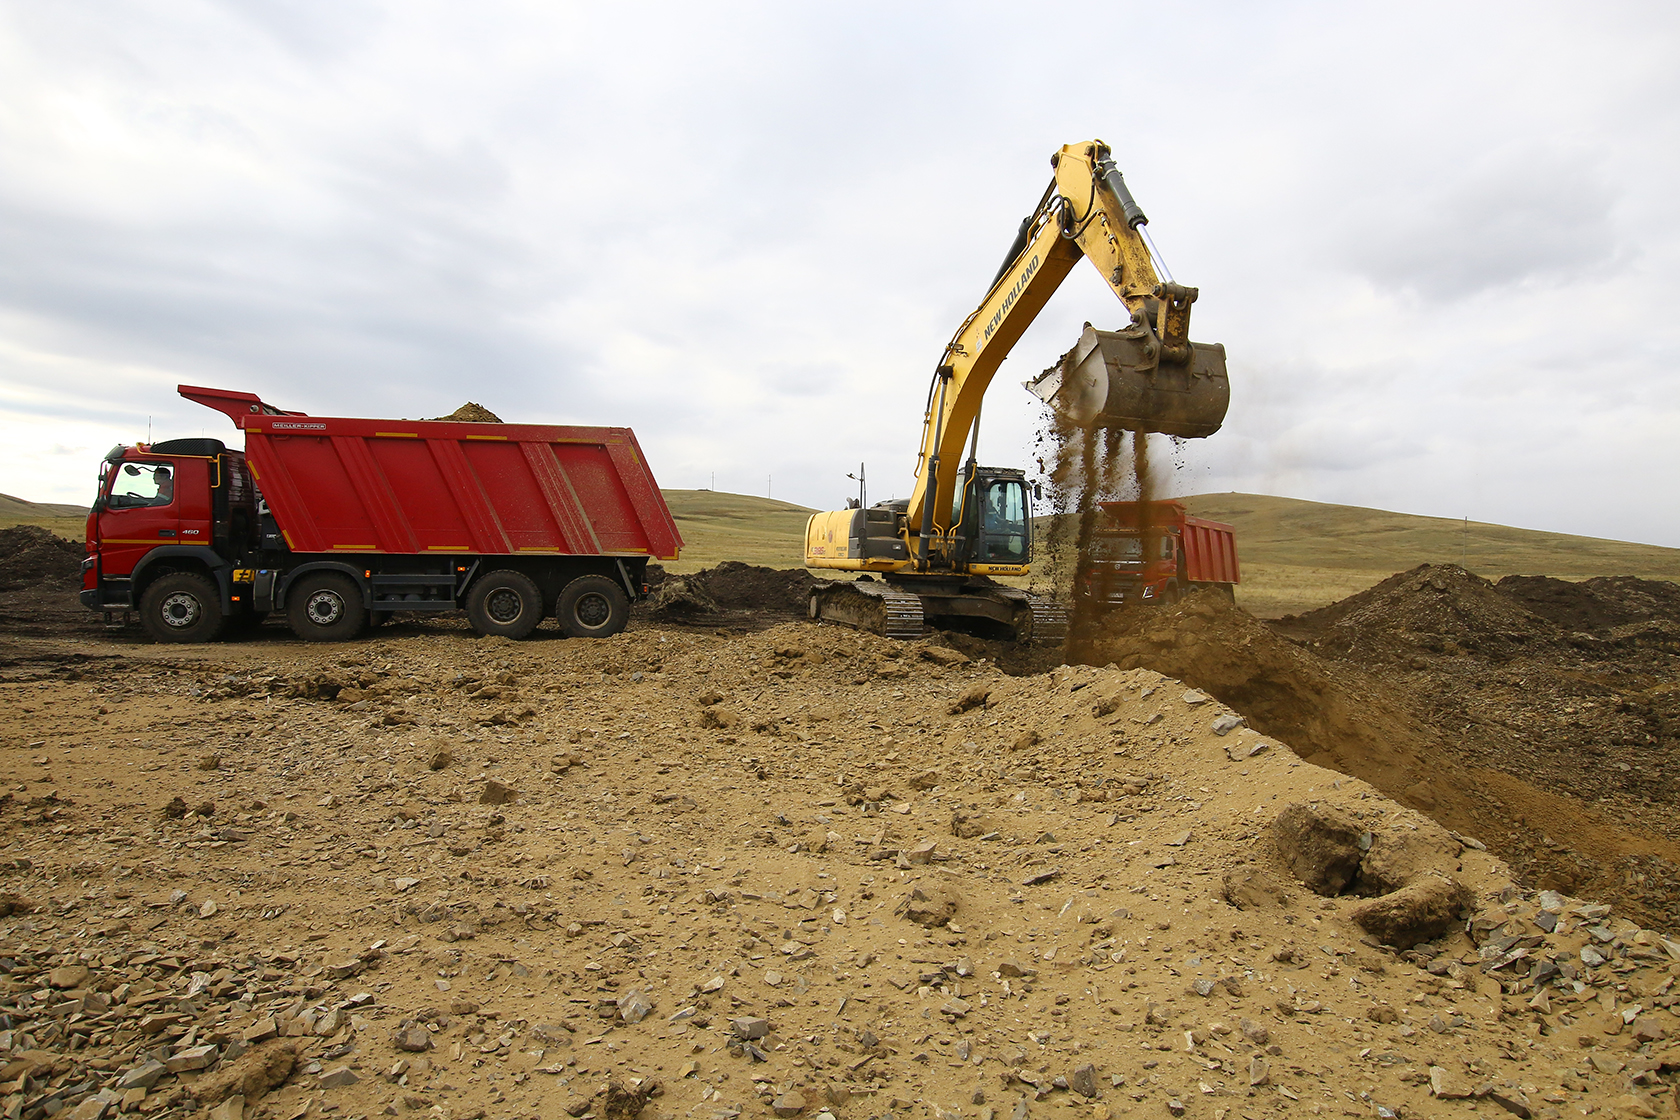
[[504, 603], [592, 607], [326, 607], [182, 607]]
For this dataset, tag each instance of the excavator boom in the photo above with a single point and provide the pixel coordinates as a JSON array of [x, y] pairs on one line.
[[1146, 377]]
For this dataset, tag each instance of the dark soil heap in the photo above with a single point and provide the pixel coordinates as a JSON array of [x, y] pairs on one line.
[[1432, 608], [1597, 606], [30, 555], [740, 594]]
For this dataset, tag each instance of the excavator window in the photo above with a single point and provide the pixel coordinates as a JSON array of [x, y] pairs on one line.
[[1003, 534]]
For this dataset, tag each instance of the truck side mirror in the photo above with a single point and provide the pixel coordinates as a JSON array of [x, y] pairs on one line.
[[1038, 492]]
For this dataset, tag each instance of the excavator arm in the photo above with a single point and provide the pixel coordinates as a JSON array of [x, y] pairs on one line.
[[1147, 377]]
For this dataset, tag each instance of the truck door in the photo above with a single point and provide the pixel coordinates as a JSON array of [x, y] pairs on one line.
[[139, 511]]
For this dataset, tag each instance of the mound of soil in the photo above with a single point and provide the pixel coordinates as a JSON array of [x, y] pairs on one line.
[[1596, 606], [1328, 714], [736, 586], [1438, 608], [471, 413], [735, 592], [30, 555]]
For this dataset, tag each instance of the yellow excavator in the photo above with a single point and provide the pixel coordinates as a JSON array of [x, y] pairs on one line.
[[933, 555]]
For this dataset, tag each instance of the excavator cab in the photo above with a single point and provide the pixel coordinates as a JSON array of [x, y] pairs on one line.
[[993, 525]]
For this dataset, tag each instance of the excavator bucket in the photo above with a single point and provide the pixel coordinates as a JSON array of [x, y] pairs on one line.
[[1115, 379]]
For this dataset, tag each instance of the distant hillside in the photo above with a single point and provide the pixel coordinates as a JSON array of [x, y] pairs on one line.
[[11, 507], [717, 526], [1316, 534], [67, 521]]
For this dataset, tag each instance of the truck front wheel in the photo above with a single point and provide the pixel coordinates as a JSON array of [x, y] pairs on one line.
[[325, 608], [181, 607], [592, 607], [505, 603]]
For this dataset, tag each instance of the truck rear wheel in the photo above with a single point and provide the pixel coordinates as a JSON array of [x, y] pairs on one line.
[[181, 607], [592, 607], [325, 608], [505, 603]]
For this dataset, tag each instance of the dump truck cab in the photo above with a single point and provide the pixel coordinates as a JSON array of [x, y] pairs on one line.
[[183, 506]]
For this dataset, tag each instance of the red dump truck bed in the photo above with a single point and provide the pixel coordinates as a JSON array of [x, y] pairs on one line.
[[431, 487]]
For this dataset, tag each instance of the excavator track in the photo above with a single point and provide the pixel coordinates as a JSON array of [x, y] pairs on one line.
[[1049, 619], [874, 607]]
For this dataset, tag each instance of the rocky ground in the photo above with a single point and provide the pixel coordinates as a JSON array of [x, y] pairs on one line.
[[701, 870]]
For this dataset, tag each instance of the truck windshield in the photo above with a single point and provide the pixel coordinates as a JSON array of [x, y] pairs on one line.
[[1121, 547], [142, 484]]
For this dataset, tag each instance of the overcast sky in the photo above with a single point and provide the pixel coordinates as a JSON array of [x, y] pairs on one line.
[[1441, 242]]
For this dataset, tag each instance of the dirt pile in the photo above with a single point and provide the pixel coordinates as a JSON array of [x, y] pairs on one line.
[[471, 413], [736, 594], [30, 555], [1596, 606], [1435, 609], [803, 872], [1331, 715]]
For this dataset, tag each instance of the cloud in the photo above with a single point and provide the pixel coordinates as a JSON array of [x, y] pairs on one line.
[[1519, 214]]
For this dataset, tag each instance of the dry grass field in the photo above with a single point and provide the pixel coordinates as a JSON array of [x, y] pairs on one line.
[[717, 526], [69, 522]]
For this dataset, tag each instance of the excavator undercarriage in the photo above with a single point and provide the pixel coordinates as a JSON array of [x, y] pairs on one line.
[[898, 607]]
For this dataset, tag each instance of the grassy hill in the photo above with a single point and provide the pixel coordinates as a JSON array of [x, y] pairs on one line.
[[717, 526], [69, 522]]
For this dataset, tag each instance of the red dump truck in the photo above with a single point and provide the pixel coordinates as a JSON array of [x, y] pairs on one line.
[[338, 522], [1153, 552]]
